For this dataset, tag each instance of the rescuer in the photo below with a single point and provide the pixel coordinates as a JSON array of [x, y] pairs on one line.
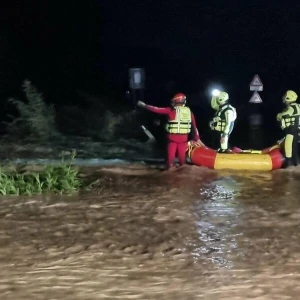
[[181, 122], [289, 123], [223, 121]]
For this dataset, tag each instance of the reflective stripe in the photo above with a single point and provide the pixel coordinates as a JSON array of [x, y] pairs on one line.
[[182, 122], [292, 120], [219, 121]]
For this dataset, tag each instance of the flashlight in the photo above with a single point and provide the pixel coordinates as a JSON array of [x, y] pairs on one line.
[[215, 93]]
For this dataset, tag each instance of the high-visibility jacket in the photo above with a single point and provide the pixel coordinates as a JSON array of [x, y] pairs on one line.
[[224, 119], [290, 117], [182, 122]]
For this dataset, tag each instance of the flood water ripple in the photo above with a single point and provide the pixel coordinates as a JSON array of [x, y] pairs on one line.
[[188, 234]]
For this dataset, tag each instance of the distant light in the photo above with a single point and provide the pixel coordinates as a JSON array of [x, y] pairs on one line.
[[215, 92]]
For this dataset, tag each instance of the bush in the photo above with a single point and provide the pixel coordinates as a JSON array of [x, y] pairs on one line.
[[99, 120], [123, 125], [36, 118], [110, 124], [52, 179]]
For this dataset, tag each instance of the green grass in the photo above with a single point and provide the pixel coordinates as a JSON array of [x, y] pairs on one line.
[[52, 179]]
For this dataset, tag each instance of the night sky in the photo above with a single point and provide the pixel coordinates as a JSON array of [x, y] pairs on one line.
[[67, 46]]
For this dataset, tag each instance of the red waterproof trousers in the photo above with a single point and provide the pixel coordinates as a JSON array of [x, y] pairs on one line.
[[177, 144]]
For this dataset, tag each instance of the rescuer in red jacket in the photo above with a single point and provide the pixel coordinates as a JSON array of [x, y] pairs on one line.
[[181, 122]]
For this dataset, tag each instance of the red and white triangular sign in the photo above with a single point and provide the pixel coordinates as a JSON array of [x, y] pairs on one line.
[[255, 98], [256, 81]]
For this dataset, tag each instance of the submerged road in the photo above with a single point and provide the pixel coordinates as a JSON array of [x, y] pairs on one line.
[[145, 234]]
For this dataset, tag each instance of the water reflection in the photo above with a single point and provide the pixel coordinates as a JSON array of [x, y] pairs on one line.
[[215, 213]]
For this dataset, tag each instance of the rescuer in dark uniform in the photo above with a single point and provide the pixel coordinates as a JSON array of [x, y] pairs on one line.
[[223, 121], [289, 121]]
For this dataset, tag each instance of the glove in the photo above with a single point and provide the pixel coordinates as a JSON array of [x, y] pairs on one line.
[[141, 104]]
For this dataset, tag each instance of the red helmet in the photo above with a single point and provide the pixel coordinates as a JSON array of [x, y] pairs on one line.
[[178, 99]]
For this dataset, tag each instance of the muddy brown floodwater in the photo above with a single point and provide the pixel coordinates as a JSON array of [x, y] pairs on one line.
[[188, 234]]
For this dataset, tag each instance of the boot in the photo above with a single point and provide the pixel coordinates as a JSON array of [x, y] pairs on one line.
[[288, 162], [220, 150], [296, 160]]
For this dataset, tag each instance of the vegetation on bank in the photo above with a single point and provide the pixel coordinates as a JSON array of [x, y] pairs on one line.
[[35, 117], [62, 178], [95, 117], [37, 122]]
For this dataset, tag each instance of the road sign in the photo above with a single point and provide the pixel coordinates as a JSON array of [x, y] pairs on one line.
[[136, 78], [255, 98], [256, 84]]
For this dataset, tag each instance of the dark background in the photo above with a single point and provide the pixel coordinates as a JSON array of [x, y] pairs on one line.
[[65, 47]]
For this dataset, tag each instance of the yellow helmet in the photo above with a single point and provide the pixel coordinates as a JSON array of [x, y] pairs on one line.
[[290, 96], [214, 103], [222, 98], [219, 100]]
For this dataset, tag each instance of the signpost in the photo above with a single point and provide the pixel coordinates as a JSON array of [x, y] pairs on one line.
[[137, 86], [256, 84], [255, 118], [255, 98], [137, 83]]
